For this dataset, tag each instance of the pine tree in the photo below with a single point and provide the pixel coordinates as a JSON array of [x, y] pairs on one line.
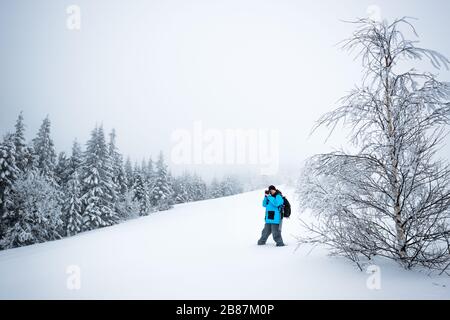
[[61, 169], [72, 207], [143, 168], [75, 161], [161, 192], [98, 191], [181, 188], [8, 175], [141, 196], [230, 186], [44, 151], [198, 189], [150, 172], [29, 160], [215, 190], [225, 188], [136, 170], [119, 174], [22, 152], [129, 173], [129, 208], [36, 210]]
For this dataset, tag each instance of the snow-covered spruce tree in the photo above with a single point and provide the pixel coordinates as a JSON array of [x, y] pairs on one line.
[[22, 151], [120, 180], [36, 211], [390, 198], [136, 170], [97, 187], [129, 173], [141, 194], [61, 169], [19, 134], [230, 185], [75, 161], [119, 176], [188, 188], [143, 168], [72, 206], [44, 151], [181, 188], [215, 190], [150, 172], [29, 162], [161, 192], [129, 208], [197, 188], [8, 175]]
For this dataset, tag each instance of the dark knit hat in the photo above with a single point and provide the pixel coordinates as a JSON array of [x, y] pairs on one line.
[[272, 188]]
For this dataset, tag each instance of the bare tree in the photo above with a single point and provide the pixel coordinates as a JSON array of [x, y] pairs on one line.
[[391, 197]]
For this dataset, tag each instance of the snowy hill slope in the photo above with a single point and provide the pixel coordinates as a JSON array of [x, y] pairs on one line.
[[202, 250]]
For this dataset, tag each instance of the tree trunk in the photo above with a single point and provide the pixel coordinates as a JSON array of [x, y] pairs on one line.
[[396, 193]]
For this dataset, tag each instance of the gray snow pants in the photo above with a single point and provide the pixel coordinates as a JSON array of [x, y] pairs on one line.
[[275, 230]]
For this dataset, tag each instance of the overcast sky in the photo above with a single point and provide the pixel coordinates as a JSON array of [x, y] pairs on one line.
[[149, 68]]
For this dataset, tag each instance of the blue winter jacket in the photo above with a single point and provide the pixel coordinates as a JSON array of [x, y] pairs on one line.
[[272, 205]]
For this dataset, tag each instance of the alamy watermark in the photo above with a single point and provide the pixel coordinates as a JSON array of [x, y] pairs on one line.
[[259, 147], [73, 21], [374, 13], [373, 282], [73, 281]]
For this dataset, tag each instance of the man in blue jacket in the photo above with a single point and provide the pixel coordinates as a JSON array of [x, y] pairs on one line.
[[272, 202]]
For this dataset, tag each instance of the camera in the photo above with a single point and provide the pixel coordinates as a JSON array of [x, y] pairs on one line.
[[266, 192]]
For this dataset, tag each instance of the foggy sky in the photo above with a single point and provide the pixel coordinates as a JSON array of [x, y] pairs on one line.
[[148, 68]]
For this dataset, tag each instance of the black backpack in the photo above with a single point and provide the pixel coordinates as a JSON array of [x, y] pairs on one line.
[[285, 208]]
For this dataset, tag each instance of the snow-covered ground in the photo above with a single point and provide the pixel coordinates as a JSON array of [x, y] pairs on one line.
[[202, 250]]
